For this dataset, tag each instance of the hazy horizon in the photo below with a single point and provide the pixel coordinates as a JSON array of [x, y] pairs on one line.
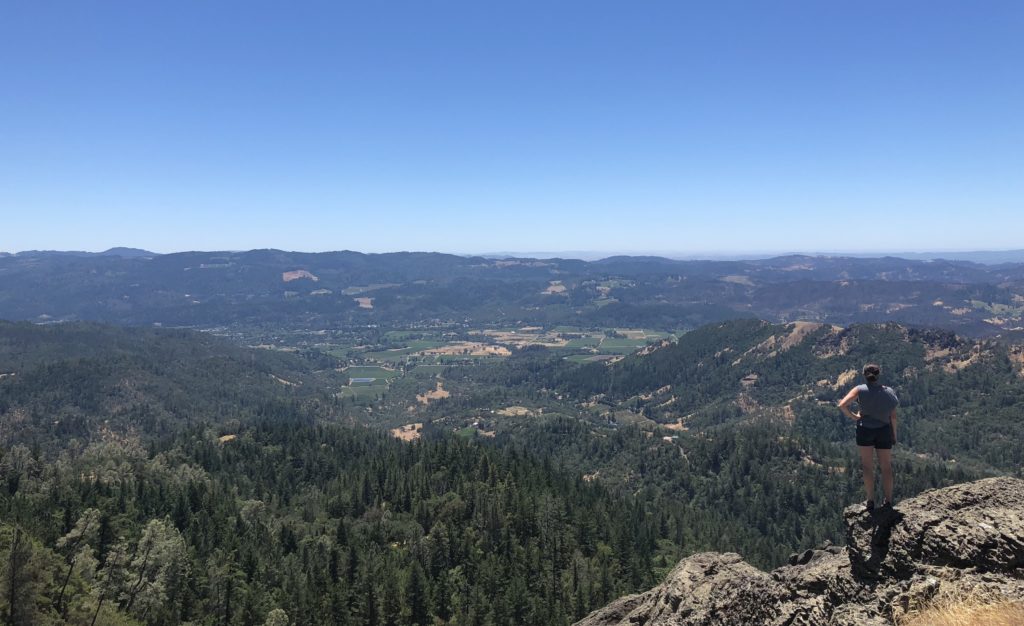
[[1016, 255]]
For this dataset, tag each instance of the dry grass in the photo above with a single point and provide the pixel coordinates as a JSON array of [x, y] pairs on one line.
[[846, 378], [515, 411], [296, 275], [788, 414], [409, 432], [436, 394], [677, 425], [798, 333], [1016, 357], [967, 610], [468, 348], [953, 365]]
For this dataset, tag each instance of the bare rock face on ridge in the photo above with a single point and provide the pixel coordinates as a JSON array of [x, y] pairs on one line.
[[967, 538]]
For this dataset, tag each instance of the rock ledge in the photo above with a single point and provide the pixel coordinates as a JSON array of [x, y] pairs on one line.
[[967, 538]]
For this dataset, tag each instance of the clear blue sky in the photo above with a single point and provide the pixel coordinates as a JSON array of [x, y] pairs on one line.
[[675, 126]]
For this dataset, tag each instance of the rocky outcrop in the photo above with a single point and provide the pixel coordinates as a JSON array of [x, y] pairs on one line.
[[966, 539]]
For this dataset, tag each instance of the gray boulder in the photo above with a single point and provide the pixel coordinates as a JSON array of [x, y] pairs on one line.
[[963, 539]]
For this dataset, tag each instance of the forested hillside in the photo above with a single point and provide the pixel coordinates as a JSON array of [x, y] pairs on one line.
[[70, 382], [245, 496], [960, 399]]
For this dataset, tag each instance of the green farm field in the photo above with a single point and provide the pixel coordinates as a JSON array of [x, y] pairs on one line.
[[399, 354], [369, 371]]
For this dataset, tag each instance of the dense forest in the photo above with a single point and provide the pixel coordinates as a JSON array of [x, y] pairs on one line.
[[223, 500], [329, 524], [167, 476], [959, 398]]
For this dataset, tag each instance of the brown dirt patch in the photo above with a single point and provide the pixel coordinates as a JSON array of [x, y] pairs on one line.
[[665, 403], [408, 432], [526, 336], [798, 332], [436, 394], [296, 275], [953, 365], [846, 378], [654, 346], [554, 287], [226, 438], [468, 348], [514, 411], [1017, 358], [364, 302], [676, 425], [931, 354]]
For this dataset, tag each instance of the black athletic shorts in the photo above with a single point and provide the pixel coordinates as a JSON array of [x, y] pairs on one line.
[[879, 438]]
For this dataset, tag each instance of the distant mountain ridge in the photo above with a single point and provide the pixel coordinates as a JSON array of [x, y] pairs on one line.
[[114, 252], [988, 257], [310, 290]]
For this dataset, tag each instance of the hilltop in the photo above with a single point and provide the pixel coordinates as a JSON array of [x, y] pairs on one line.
[[953, 542], [960, 397]]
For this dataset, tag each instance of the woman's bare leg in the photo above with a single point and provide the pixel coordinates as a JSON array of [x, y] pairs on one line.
[[867, 464], [885, 463]]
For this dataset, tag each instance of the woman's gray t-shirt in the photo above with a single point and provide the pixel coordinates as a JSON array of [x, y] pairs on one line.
[[876, 404]]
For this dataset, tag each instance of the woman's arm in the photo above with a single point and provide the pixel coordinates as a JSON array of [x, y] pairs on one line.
[[844, 405], [892, 421]]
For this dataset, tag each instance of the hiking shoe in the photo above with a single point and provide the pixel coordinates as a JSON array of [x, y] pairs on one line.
[[870, 505]]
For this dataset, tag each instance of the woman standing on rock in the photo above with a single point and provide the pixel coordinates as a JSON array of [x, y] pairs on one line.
[[876, 429]]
